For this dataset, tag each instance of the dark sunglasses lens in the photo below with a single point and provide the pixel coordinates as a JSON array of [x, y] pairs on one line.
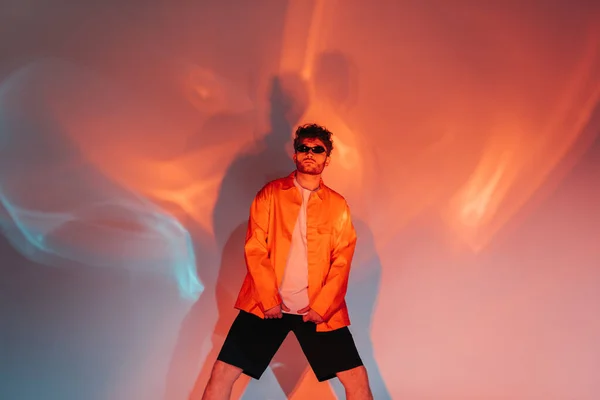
[[305, 149]]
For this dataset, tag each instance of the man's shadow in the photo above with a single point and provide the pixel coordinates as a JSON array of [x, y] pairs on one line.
[[267, 160]]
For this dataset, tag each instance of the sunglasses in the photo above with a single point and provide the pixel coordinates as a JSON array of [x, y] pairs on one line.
[[305, 149]]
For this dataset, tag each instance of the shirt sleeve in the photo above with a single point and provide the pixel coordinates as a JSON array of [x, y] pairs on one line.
[[256, 251], [332, 296]]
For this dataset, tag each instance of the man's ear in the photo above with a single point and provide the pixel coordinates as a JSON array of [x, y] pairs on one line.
[[327, 160]]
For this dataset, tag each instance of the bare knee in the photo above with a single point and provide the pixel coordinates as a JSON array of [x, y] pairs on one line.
[[356, 383], [225, 373]]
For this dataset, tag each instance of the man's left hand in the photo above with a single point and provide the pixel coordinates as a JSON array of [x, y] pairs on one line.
[[311, 315]]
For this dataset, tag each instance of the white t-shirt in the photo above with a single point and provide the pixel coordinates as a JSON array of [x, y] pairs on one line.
[[294, 286]]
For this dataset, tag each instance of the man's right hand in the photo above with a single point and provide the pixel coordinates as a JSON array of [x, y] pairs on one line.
[[275, 312]]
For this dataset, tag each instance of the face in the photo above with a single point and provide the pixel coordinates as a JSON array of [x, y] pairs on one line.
[[311, 162]]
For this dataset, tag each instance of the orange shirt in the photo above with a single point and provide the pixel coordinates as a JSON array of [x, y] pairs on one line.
[[331, 240]]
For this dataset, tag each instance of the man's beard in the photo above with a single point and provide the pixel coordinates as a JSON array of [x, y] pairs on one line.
[[310, 168]]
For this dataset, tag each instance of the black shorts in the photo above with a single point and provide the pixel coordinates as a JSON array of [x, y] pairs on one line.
[[252, 342]]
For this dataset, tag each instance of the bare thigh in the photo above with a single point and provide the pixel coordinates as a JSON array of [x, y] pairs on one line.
[[224, 373]]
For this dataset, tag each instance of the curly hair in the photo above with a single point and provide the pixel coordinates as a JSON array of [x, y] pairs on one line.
[[314, 131]]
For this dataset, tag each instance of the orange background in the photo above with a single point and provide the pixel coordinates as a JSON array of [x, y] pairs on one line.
[[465, 142]]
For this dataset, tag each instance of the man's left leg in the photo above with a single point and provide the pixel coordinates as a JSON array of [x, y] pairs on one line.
[[356, 383], [332, 354]]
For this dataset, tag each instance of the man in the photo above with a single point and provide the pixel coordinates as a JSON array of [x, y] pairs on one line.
[[299, 246]]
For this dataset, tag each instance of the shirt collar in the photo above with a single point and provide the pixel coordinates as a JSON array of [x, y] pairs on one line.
[[288, 183]]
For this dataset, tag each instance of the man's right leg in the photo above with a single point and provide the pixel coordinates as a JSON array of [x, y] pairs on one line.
[[221, 381], [249, 347]]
